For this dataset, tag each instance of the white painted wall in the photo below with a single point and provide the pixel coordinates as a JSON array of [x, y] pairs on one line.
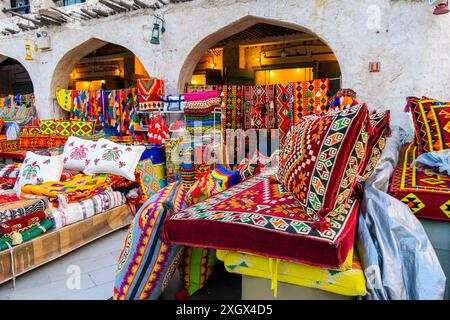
[[411, 43]]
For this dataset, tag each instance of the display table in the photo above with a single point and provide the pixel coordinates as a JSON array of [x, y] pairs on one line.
[[13, 155], [54, 244], [254, 288]]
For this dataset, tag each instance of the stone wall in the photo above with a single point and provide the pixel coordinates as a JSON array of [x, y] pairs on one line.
[[411, 44]]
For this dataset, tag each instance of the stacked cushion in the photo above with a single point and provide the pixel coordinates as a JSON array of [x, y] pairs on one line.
[[39, 169], [259, 216], [146, 263], [113, 158], [322, 158]]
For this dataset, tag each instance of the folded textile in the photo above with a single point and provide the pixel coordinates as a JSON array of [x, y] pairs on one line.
[[209, 116], [203, 129], [22, 208], [80, 187], [77, 211], [201, 95], [26, 235], [203, 123], [350, 282], [201, 107], [22, 223], [10, 170]]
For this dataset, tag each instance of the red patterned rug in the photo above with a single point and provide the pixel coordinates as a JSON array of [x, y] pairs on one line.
[[258, 216]]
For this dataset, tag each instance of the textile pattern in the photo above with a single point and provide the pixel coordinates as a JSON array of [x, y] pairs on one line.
[[426, 193]]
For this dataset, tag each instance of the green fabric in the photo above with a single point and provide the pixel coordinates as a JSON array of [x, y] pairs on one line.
[[29, 234], [193, 265]]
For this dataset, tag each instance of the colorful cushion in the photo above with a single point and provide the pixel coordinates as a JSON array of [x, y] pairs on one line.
[[152, 177], [78, 153], [113, 158], [349, 282], [146, 263], [39, 169], [259, 216], [322, 158], [70, 213], [196, 267], [47, 126], [82, 128], [426, 193], [377, 140], [432, 124], [206, 186], [226, 178]]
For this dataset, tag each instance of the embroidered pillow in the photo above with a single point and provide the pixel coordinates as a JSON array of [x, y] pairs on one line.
[[37, 169], [432, 123], [377, 140], [78, 153], [322, 158], [82, 128], [113, 158]]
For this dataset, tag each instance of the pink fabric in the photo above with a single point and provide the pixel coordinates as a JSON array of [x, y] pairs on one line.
[[201, 95]]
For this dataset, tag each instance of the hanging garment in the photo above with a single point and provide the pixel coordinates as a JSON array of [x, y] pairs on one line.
[[260, 111], [149, 91], [64, 98], [310, 98]]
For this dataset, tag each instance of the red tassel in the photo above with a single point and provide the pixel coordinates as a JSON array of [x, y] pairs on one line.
[[182, 295]]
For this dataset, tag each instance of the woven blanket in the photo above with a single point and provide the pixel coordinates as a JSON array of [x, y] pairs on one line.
[[77, 211], [426, 193], [29, 234], [149, 91], [260, 111], [310, 98], [80, 187], [22, 208], [258, 216]]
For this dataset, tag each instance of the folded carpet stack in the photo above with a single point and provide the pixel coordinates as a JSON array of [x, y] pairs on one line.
[[77, 211]]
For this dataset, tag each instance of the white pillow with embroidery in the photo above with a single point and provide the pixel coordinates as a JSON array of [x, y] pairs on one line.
[[113, 158], [78, 153], [38, 169]]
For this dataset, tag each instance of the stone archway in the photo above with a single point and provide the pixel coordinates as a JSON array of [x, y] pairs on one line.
[[14, 77], [235, 27]]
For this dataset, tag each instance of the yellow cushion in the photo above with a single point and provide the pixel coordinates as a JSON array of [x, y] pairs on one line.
[[348, 282]]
